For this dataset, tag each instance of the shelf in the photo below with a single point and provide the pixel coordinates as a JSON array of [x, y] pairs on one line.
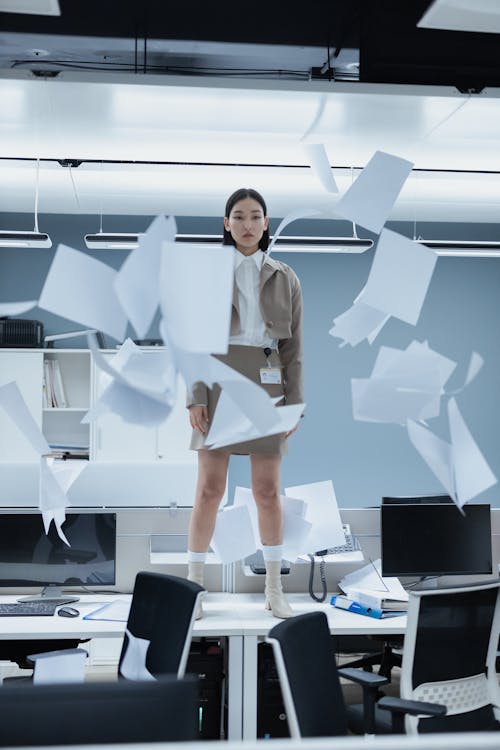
[[48, 409]]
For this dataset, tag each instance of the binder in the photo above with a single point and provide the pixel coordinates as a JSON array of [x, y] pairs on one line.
[[343, 602]]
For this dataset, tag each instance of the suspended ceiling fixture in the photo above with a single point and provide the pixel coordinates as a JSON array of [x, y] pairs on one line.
[[127, 241], [463, 248], [14, 238]]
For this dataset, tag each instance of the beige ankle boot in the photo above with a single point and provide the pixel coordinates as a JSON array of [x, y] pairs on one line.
[[275, 598], [196, 573]]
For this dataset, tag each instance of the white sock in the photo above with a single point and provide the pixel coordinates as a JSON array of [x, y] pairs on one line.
[[196, 556], [272, 552]]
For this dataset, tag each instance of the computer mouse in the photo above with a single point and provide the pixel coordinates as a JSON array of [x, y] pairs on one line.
[[67, 612]]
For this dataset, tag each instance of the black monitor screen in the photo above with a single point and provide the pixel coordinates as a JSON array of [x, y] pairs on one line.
[[30, 557], [435, 539]]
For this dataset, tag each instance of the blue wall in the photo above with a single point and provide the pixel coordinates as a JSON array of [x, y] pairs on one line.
[[365, 461]]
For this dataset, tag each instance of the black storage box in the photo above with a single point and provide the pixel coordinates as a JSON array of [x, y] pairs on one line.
[[21, 333]]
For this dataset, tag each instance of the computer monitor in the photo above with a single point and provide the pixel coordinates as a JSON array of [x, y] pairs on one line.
[[29, 557], [435, 539]]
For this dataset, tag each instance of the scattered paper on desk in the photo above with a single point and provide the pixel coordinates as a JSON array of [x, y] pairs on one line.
[[320, 165], [459, 465], [9, 309], [399, 277], [359, 322], [13, 403], [133, 665], [322, 513], [371, 197], [80, 288], [137, 283], [233, 537], [115, 611], [369, 579], [196, 294]]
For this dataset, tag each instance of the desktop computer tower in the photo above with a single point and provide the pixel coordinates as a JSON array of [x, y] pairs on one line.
[[206, 660], [271, 715]]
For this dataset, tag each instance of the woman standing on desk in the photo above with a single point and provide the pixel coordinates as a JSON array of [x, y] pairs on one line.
[[265, 345]]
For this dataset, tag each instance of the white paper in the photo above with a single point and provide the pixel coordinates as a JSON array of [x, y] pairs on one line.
[[386, 400], [320, 165], [301, 213], [60, 667], [116, 611], [8, 309], [196, 294], [12, 402], [357, 323], [133, 665], [80, 288], [233, 537], [369, 579], [435, 452], [371, 197], [52, 500], [230, 425], [476, 363], [322, 513], [471, 471], [137, 284], [66, 471], [399, 277]]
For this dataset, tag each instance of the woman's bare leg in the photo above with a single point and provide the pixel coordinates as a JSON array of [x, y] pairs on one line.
[[266, 491], [212, 475]]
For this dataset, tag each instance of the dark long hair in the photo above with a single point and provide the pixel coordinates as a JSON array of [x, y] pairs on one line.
[[240, 195]]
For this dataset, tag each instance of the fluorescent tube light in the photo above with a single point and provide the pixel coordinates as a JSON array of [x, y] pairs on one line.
[[464, 248], [24, 239], [120, 241]]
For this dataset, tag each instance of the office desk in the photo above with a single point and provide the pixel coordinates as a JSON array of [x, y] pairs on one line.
[[240, 618]]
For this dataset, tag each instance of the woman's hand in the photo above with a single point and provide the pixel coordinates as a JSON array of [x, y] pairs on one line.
[[198, 418]]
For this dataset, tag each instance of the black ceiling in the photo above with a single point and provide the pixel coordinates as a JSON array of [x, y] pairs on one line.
[[380, 34]]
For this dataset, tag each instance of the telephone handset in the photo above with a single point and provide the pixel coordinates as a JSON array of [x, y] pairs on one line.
[[351, 545]]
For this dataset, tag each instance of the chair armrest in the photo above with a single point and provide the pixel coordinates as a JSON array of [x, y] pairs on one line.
[[365, 679], [414, 708]]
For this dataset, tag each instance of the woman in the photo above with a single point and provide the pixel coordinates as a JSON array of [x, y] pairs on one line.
[[265, 345]]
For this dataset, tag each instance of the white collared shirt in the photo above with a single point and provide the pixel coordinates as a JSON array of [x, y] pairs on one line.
[[247, 275]]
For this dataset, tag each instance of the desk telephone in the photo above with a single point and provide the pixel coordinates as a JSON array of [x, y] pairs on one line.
[[351, 545]]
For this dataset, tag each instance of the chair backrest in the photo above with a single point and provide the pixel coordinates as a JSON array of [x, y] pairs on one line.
[[449, 656], [308, 676], [99, 712], [162, 613]]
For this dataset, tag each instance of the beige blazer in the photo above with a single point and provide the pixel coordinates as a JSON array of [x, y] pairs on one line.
[[281, 308]]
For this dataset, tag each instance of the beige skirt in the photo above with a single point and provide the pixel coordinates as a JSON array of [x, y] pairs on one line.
[[247, 360]]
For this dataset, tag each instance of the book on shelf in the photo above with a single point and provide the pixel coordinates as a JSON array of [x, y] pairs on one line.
[[54, 386]]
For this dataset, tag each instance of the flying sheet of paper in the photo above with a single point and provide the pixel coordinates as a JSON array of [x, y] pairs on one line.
[[8, 309], [320, 165], [413, 364], [322, 513], [12, 402], [371, 197], [196, 294], [301, 213], [66, 471], [250, 398], [384, 400], [133, 665], [316, 119], [80, 288], [459, 465], [230, 425], [369, 579], [52, 500], [399, 277], [476, 363], [137, 282], [357, 323], [295, 527], [129, 404], [233, 537]]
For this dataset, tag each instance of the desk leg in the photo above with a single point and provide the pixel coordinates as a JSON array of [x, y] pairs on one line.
[[235, 688], [250, 687]]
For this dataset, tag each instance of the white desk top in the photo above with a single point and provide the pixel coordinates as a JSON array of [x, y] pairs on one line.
[[223, 615]]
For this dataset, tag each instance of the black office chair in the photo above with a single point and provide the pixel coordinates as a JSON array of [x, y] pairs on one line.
[[449, 658], [309, 678], [164, 710], [163, 613]]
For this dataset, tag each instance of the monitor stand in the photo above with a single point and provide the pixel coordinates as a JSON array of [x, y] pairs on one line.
[[50, 594], [426, 583]]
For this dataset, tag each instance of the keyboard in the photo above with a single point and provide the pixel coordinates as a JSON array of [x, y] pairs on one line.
[[27, 609]]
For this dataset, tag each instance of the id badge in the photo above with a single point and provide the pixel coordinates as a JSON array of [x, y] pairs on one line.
[[270, 375]]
